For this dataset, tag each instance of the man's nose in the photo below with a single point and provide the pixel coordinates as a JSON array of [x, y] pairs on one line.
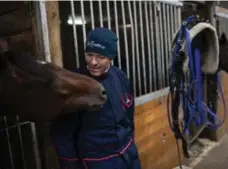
[[93, 61]]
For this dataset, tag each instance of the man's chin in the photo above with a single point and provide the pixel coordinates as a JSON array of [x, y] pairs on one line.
[[95, 74]]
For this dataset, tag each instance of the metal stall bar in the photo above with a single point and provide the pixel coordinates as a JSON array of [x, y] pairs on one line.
[[142, 46], [83, 22], [91, 12], [117, 34], [35, 146], [166, 58], [159, 74], [41, 15], [175, 18], [75, 33], [21, 143], [108, 18], [133, 47], [108, 14], [100, 13], [179, 15], [152, 47], [125, 37], [137, 49], [172, 30], [161, 46], [172, 22], [168, 36], [9, 144], [149, 45]]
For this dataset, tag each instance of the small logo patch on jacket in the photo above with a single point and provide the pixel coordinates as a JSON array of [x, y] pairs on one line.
[[127, 101]]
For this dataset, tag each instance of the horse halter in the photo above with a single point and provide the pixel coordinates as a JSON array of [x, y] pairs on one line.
[[189, 93]]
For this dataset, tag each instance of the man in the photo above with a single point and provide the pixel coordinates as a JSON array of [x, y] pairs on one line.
[[104, 139]]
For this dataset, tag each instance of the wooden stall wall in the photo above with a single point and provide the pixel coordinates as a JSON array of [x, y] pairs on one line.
[[154, 138], [16, 25], [224, 80]]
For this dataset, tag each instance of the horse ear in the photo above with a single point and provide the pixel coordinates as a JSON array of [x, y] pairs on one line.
[[223, 39]]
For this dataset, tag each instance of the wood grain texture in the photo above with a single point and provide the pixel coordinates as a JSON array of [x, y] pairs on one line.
[[155, 141], [52, 8], [224, 80]]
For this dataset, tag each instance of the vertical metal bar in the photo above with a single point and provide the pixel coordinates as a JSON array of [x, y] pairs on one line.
[[161, 47], [179, 16], [166, 59], [83, 21], [133, 46], [100, 13], [74, 33], [125, 38], [175, 18], [8, 141], [92, 16], [35, 146], [117, 34], [172, 30], [137, 48], [149, 45], [21, 143], [109, 18], [168, 35], [152, 47], [172, 22], [142, 46], [157, 45], [42, 21], [108, 14]]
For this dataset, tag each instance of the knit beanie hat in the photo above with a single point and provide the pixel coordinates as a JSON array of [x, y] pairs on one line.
[[102, 41]]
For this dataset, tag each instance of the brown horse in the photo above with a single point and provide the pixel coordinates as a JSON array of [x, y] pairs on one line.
[[40, 91]]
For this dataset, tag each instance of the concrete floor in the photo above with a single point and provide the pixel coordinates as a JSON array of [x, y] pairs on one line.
[[216, 158], [213, 156]]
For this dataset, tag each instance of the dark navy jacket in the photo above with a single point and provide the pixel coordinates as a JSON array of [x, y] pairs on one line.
[[100, 134]]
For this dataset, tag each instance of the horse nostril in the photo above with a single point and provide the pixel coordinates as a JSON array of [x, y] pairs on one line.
[[103, 92]]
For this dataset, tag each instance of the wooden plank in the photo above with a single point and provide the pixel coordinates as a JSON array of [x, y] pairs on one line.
[[15, 21], [53, 18], [224, 81], [153, 136], [7, 6]]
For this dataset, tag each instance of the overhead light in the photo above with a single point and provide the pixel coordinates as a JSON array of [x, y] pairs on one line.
[[77, 21]]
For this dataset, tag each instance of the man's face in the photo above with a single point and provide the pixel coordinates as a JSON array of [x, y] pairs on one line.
[[96, 63]]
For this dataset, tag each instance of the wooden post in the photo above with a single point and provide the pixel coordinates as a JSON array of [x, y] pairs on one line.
[[52, 8]]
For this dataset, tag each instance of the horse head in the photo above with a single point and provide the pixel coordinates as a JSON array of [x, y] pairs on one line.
[[41, 91]]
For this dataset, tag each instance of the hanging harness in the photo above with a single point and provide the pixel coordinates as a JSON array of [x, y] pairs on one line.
[[189, 92]]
